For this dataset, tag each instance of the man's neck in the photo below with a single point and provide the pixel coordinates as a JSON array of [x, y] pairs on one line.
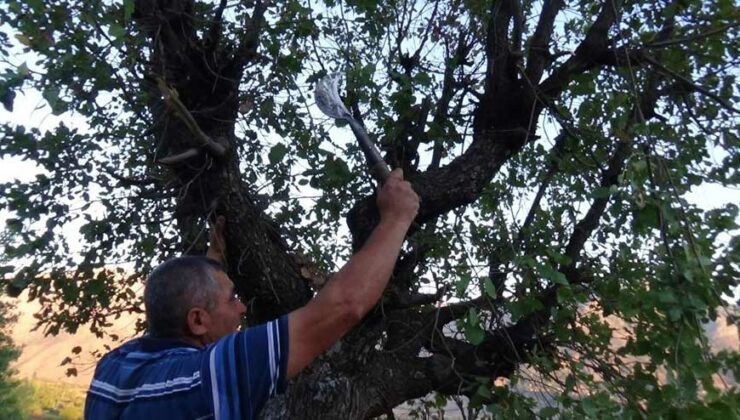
[[195, 341]]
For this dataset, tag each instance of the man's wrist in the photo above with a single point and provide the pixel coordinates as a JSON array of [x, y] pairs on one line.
[[395, 223]]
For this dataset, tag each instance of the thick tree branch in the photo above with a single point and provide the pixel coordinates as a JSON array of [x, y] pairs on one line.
[[498, 355], [556, 156], [419, 299], [403, 152], [593, 46], [249, 41], [408, 62], [501, 69], [441, 113], [539, 52], [214, 33], [452, 63], [517, 17], [446, 188], [259, 260], [130, 181]]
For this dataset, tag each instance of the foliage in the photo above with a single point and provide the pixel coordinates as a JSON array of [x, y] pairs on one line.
[[557, 151], [14, 394]]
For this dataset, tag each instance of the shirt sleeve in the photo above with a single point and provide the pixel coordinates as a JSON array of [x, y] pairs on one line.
[[243, 370]]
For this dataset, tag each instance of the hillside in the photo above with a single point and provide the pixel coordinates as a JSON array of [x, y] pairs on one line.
[[42, 355]]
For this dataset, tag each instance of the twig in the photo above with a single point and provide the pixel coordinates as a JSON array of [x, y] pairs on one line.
[[691, 84], [180, 157], [173, 100], [692, 37]]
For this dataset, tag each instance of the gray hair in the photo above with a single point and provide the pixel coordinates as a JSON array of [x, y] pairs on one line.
[[175, 287]]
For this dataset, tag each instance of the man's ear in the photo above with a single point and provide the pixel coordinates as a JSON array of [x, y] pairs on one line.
[[198, 321]]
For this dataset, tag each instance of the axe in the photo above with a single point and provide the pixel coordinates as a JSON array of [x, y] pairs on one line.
[[329, 102]]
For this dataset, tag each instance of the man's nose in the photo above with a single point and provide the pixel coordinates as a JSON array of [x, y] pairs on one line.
[[242, 308]]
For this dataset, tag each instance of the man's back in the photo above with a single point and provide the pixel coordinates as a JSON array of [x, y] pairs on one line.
[[168, 378]]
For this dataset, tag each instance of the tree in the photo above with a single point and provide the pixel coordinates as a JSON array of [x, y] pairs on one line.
[[553, 146], [13, 393]]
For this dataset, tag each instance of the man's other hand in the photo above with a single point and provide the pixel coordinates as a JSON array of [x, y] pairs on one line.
[[217, 243]]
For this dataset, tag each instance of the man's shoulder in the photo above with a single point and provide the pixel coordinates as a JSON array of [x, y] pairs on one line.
[[142, 352], [145, 364]]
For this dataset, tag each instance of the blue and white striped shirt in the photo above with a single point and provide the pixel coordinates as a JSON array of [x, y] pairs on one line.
[[167, 378]]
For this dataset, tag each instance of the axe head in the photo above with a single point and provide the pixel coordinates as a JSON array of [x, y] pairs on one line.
[[327, 97]]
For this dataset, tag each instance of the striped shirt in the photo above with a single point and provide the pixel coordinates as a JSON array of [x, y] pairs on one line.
[[167, 378]]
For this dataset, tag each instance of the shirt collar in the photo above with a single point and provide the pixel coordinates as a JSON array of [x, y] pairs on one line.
[[148, 343]]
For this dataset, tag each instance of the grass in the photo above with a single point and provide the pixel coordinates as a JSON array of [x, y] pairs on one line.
[[49, 400]]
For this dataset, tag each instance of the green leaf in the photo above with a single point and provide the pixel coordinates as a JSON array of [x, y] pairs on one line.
[[489, 288], [667, 296], [473, 332], [589, 407], [674, 314], [57, 105], [336, 172], [36, 5], [570, 382], [423, 79], [462, 284], [116, 31], [602, 192], [475, 335], [23, 39], [440, 400], [20, 282], [549, 412], [128, 9], [555, 276], [484, 390], [565, 295], [23, 70], [277, 153], [646, 218]]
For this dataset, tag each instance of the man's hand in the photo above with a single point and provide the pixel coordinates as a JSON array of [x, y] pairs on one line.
[[217, 243], [396, 200]]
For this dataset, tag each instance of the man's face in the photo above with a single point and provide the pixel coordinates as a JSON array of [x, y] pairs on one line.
[[226, 317]]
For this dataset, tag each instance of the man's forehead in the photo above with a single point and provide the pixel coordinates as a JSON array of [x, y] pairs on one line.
[[224, 280]]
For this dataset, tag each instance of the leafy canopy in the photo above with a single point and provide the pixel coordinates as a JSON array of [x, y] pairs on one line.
[[558, 166]]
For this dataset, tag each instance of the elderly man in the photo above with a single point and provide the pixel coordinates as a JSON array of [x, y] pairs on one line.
[[195, 364]]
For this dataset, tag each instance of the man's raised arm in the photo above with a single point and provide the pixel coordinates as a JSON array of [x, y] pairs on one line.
[[357, 287]]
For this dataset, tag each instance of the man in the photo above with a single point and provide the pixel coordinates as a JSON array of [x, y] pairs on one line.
[[194, 363]]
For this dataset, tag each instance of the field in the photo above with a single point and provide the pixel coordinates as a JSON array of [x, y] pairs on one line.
[[48, 400]]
